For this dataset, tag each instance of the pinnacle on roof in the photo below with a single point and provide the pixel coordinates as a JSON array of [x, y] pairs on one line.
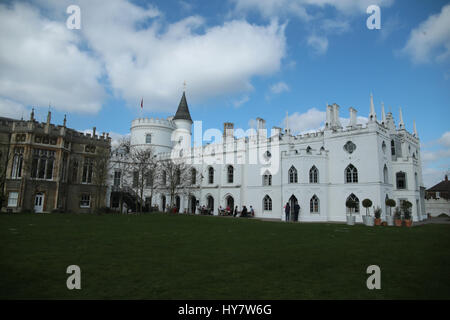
[[183, 110]]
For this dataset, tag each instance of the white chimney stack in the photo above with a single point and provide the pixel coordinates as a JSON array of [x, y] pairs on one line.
[[352, 117]]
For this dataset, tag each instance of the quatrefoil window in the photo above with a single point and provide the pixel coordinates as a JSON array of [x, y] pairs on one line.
[[350, 147]]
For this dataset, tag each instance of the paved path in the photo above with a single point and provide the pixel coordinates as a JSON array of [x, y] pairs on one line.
[[437, 220]]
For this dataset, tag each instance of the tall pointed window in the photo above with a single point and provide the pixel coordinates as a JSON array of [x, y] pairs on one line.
[[164, 178], [267, 203], [351, 174], [87, 170], [293, 176], [193, 176], [314, 204], [385, 174], [313, 175], [230, 174], [210, 175], [17, 163], [393, 147]]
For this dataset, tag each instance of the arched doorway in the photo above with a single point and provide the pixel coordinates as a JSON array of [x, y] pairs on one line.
[[163, 203], [193, 204], [292, 202], [210, 202], [229, 202]]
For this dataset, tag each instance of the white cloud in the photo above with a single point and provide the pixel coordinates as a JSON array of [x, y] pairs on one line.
[[12, 109], [445, 139], [299, 8], [430, 41], [314, 120], [153, 61], [133, 50], [240, 102], [435, 159], [41, 63], [311, 120], [279, 87], [319, 44], [432, 176]]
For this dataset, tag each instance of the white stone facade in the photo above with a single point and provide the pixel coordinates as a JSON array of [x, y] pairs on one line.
[[376, 152]]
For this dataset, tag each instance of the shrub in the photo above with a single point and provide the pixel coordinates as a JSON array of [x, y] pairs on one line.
[[390, 203], [406, 206], [397, 213], [377, 212], [367, 203]]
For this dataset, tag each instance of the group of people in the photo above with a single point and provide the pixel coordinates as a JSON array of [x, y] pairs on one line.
[[204, 210], [235, 212], [287, 211]]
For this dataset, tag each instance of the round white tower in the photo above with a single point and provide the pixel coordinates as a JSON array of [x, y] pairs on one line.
[[155, 133], [181, 136]]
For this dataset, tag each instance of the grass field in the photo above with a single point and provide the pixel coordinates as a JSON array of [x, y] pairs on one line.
[[158, 256]]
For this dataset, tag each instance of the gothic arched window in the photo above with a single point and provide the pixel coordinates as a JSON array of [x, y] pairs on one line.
[[210, 175], [385, 174], [230, 174], [313, 175], [351, 174], [293, 176], [267, 203], [314, 204]]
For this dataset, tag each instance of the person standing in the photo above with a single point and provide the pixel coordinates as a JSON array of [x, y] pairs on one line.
[[296, 211], [244, 211], [252, 211], [287, 210], [235, 211]]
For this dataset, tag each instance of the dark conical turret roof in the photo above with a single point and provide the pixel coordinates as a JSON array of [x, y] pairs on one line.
[[183, 110]]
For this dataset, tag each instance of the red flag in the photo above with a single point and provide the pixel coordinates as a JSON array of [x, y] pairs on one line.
[[142, 103]]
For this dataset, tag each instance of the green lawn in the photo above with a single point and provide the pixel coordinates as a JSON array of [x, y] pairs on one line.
[[157, 256]]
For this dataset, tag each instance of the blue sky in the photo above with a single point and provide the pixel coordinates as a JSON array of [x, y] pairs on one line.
[[241, 59]]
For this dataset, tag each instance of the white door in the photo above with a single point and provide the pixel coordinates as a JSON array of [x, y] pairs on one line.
[[39, 202]]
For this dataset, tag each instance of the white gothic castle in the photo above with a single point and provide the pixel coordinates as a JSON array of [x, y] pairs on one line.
[[319, 171]]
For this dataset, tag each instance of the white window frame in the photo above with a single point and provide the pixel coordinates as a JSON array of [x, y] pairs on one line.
[[88, 200], [13, 201]]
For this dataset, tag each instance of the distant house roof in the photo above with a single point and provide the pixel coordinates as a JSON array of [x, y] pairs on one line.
[[443, 186], [183, 110]]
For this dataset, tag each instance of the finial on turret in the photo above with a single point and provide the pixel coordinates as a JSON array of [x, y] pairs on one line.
[[49, 116], [415, 129], [383, 114], [64, 121], [372, 116], [32, 114], [287, 123], [401, 124]]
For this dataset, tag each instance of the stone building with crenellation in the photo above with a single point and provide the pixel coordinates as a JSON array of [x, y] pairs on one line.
[[46, 166]]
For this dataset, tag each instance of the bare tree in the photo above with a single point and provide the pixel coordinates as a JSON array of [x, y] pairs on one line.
[[143, 167], [176, 178], [101, 168], [3, 165], [121, 162]]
